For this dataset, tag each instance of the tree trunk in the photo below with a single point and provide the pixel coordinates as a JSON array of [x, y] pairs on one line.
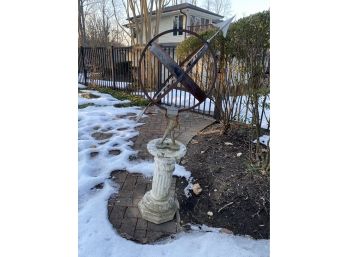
[[82, 25]]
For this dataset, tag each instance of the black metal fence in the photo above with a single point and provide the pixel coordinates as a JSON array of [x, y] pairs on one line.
[[117, 68], [105, 67], [113, 67]]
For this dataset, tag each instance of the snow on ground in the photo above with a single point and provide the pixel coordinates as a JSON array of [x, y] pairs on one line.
[[102, 100], [263, 139], [97, 238], [104, 83], [109, 83], [184, 99]]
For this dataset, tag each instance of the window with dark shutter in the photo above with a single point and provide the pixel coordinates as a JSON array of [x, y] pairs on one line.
[[181, 23], [175, 25], [178, 23]]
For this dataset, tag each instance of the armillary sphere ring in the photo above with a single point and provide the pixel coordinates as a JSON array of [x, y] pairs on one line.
[[177, 70]]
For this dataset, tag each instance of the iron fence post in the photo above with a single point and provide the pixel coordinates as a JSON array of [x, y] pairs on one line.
[[83, 65], [113, 65]]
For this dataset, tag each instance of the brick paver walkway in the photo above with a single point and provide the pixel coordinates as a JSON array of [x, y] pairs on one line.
[[124, 214], [122, 207]]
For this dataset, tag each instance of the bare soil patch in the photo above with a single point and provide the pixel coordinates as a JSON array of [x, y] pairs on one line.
[[101, 136], [236, 197]]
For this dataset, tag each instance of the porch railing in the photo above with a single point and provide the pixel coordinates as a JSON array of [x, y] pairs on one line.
[[200, 28]]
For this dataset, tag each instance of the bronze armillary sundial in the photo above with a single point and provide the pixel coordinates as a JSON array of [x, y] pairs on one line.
[[196, 75]]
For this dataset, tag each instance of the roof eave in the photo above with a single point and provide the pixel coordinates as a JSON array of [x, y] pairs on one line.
[[192, 7]]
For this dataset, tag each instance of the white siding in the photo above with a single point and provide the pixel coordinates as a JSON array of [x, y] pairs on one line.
[[166, 23]]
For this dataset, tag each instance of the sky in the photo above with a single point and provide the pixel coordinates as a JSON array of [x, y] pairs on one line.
[[246, 7], [242, 8]]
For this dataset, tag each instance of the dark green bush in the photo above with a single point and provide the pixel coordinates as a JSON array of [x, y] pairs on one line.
[[243, 60]]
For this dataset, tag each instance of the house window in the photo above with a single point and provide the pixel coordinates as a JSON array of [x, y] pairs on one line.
[[196, 21], [204, 21], [192, 20], [178, 24]]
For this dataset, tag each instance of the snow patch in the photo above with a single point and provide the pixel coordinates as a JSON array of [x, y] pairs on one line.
[[188, 188], [116, 127], [185, 99], [102, 100], [81, 86], [263, 140]]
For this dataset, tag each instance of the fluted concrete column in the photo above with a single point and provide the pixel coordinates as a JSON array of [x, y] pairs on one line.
[[157, 205]]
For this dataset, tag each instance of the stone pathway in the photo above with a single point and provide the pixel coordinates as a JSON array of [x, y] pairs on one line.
[[155, 125], [122, 207]]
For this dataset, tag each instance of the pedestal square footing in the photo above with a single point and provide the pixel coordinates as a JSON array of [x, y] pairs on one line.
[[125, 216]]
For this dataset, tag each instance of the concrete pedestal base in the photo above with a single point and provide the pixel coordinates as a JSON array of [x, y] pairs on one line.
[[157, 205]]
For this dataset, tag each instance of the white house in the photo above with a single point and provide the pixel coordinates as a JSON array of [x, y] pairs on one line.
[[186, 16]]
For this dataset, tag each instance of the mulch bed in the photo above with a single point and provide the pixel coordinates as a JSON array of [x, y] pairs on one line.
[[227, 180]]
